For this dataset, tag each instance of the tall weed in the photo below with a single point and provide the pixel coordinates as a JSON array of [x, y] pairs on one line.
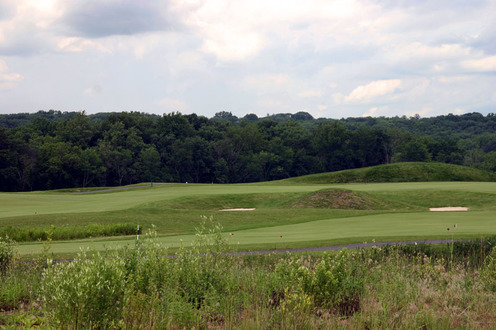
[[335, 282], [85, 293], [489, 272], [7, 253]]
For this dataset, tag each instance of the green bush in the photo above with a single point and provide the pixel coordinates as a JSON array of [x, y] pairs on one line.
[[85, 293], [147, 265], [7, 253], [202, 270], [336, 281]]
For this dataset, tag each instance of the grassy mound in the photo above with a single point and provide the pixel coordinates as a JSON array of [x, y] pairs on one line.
[[224, 201], [400, 172], [343, 199], [340, 199]]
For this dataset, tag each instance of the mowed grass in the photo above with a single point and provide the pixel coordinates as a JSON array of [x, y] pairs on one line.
[[416, 226], [400, 172], [395, 211]]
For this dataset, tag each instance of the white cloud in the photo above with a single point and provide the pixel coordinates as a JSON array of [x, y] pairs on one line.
[[93, 91], [373, 90], [256, 55], [8, 80], [310, 94], [75, 44], [453, 79], [272, 104], [485, 64], [232, 46], [30, 29], [171, 104], [264, 82], [371, 112], [416, 50], [422, 112]]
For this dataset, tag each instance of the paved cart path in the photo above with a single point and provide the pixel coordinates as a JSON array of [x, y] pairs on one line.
[[350, 246]]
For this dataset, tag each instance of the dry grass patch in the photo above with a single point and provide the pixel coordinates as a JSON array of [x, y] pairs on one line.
[[335, 199]]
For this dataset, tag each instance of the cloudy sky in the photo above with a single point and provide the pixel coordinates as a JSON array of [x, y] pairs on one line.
[[331, 58]]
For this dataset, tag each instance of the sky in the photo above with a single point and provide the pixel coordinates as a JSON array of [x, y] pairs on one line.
[[330, 58]]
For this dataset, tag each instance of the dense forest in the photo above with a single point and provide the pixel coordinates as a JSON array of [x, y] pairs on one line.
[[53, 149]]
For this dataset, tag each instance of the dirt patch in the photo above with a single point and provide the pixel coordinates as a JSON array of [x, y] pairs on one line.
[[333, 199], [238, 209], [448, 209]]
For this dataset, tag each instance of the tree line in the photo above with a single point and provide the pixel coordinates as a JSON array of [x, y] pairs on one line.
[[52, 150]]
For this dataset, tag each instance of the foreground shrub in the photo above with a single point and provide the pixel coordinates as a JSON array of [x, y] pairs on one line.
[[335, 282], [147, 263], [7, 253], [202, 269], [203, 286], [85, 293]]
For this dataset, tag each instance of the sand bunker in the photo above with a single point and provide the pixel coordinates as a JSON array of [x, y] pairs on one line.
[[239, 209], [448, 208]]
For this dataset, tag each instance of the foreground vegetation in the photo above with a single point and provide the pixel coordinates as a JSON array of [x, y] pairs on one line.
[[418, 286]]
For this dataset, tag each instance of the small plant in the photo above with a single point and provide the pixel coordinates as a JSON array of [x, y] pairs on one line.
[[489, 272], [452, 243], [7, 253], [45, 258]]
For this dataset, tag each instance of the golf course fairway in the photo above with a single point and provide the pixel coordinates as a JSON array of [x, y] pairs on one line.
[[284, 215]]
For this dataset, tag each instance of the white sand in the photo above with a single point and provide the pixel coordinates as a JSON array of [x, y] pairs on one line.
[[238, 210], [448, 208]]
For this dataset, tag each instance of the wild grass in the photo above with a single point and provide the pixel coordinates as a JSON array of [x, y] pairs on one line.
[[67, 232], [201, 286]]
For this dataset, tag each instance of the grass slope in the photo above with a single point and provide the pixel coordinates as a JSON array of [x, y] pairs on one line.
[[304, 214], [307, 211], [400, 172]]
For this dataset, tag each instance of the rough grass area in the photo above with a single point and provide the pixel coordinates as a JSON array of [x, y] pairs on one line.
[[400, 172], [339, 199], [227, 201], [67, 232], [421, 286]]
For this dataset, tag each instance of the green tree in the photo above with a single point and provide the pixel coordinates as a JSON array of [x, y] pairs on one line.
[[77, 130], [149, 164], [415, 151], [91, 166]]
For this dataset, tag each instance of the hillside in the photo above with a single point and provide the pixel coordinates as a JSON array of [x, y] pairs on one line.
[[400, 172]]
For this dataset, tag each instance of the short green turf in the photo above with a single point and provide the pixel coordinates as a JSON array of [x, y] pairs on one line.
[[400, 211]]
